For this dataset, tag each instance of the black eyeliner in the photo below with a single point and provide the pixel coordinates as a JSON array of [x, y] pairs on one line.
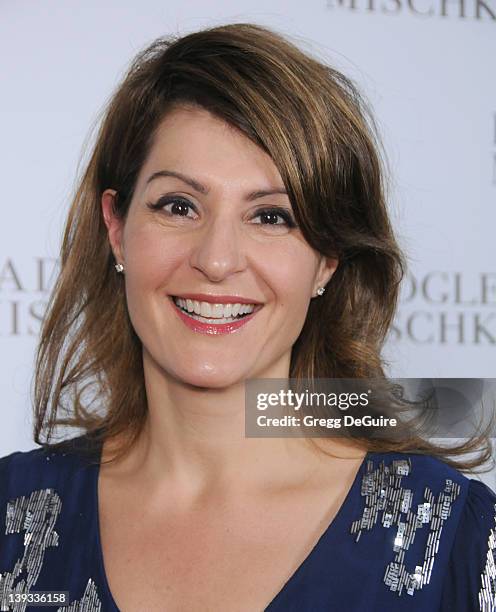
[[286, 215], [282, 212], [161, 202]]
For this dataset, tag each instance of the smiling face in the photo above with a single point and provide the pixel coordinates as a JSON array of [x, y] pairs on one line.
[[213, 232]]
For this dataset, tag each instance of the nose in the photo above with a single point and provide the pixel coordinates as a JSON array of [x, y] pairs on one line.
[[218, 250]]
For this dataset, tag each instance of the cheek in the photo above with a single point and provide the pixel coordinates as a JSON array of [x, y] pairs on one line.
[[292, 271], [152, 259], [290, 275]]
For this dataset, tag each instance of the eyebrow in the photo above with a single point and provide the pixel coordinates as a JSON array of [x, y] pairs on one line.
[[253, 195]]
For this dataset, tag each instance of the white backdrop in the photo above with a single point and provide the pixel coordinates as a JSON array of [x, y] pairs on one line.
[[426, 66]]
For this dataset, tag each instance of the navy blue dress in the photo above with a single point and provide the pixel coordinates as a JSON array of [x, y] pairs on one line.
[[412, 534]]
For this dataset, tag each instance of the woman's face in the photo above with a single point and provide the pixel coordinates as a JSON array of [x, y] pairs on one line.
[[213, 232]]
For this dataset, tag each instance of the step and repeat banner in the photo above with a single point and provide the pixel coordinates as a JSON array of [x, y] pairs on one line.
[[427, 67]]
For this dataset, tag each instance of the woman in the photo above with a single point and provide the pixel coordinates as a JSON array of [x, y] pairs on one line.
[[230, 225]]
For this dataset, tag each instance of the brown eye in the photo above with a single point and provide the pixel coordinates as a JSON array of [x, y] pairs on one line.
[[269, 216], [177, 206]]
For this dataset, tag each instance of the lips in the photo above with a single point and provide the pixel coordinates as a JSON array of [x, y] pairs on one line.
[[213, 328]]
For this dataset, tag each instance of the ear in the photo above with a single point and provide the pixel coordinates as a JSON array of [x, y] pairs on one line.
[[114, 224], [327, 267]]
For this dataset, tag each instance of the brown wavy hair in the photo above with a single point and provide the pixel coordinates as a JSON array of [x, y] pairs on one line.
[[320, 133]]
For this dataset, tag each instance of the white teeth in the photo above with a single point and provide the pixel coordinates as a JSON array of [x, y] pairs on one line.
[[206, 309], [217, 310], [214, 311]]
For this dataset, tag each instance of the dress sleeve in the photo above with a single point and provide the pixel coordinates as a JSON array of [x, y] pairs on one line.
[[470, 582], [5, 476]]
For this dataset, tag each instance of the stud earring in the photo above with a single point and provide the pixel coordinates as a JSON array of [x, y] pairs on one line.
[[119, 267], [320, 291]]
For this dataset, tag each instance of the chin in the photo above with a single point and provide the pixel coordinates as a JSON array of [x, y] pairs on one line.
[[214, 379]]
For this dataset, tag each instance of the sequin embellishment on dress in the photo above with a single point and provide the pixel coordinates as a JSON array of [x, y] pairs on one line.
[[89, 602], [36, 515], [387, 501], [487, 593]]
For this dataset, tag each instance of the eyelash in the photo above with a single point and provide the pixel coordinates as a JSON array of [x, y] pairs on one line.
[[276, 210]]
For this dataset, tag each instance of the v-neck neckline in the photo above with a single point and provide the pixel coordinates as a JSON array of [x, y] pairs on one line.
[[342, 514]]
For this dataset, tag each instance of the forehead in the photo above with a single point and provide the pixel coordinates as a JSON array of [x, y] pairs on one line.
[[193, 140]]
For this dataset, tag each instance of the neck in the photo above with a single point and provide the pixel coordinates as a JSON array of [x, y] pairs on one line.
[[194, 442]]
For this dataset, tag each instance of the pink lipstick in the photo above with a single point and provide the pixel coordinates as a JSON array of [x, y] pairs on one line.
[[213, 328]]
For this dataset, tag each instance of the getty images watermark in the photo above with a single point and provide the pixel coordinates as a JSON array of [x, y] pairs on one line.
[[370, 408]]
